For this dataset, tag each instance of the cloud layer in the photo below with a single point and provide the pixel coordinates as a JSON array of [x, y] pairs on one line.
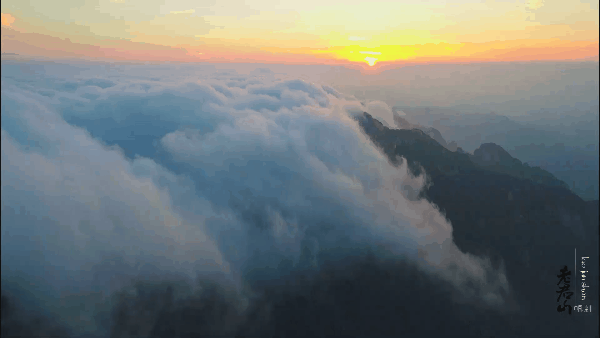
[[213, 175]]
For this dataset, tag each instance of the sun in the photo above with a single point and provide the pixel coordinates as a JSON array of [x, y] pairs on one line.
[[371, 61]]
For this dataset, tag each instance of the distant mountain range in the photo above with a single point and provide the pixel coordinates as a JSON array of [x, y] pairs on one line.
[[450, 159], [576, 166], [575, 127]]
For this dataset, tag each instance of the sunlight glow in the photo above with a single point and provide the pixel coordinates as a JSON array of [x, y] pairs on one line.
[[311, 32], [371, 61]]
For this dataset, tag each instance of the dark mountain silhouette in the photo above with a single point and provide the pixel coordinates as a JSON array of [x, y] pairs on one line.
[[432, 132], [561, 130], [576, 166], [533, 226], [493, 157]]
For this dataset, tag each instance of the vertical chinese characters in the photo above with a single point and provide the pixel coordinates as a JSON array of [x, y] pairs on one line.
[[565, 278]]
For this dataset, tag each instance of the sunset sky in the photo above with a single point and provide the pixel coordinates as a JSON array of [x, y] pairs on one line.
[[303, 32]]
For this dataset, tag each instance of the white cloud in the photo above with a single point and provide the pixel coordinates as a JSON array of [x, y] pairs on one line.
[[382, 112], [88, 202], [243, 164]]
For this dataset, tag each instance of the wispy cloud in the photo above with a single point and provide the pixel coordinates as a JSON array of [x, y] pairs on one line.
[[187, 11], [535, 4]]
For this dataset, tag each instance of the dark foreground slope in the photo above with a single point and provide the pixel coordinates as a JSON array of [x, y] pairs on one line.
[[533, 226], [492, 211]]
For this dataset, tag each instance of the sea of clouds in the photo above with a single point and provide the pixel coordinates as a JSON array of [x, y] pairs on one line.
[[116, 173]]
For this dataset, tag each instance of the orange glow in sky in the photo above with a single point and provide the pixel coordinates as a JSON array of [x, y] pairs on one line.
[[7, 19], [373, 34]]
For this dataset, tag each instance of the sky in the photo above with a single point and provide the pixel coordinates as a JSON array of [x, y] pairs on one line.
[[353, 33], [220, 141]]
